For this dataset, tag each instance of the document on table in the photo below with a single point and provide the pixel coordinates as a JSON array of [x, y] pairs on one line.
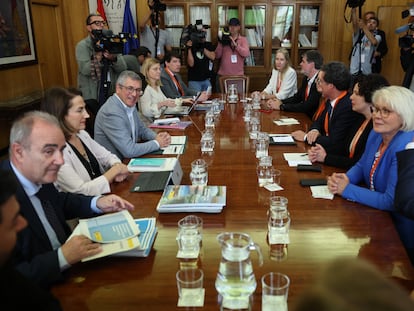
[[286, 121], [321, 192], [297, 158], [173, 149]]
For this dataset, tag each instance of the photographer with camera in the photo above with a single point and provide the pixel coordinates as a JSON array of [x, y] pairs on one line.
[[365, 41], [157, 40], [200, 57], [98, 65], [232, 49]]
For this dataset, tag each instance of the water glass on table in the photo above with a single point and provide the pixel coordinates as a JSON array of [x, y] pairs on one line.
[[275, 289], [190, 287]]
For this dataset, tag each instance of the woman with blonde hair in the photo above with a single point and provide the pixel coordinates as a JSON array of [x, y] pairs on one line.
[[154, 102], [283, 82]]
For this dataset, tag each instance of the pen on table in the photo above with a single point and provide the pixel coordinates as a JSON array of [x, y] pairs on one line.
[[303, 154], [175, 149]]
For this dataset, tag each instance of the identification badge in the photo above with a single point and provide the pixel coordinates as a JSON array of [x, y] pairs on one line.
[[233, 59]]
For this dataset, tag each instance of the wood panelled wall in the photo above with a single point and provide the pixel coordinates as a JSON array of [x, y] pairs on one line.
[[59, 24]]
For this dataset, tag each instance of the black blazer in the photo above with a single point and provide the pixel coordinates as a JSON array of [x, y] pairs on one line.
[[33, 254], [298, 103], [404, 199], [20, 293], [340, 124], [336, 157]]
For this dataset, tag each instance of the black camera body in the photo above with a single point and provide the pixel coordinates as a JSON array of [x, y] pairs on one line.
[[158, 6], [224, 36], [105, 40], [196, 33], [355, 3], [405, 42]]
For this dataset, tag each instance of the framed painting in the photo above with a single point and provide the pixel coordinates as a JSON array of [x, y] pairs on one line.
[[17, 46]]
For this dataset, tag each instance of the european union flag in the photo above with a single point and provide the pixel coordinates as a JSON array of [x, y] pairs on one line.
[[128, 26]]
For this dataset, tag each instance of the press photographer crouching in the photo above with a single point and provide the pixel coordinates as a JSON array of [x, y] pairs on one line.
[[200, 56], [100, 60]]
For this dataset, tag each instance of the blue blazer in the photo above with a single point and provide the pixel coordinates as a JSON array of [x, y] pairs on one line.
[[385, 180], [33, 255]]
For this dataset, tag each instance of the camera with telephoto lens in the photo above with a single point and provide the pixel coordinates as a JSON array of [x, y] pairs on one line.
[[355, 3], [406, 41], [158, 6], [105, 40], [196, 33], [224, 36]]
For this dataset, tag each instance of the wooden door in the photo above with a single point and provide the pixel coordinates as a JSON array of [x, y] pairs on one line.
[[49, 45]]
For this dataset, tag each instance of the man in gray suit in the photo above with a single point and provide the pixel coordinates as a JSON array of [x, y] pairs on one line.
[[117, 125]]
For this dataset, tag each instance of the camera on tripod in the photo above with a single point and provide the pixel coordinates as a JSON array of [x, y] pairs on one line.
[[224, 36], [105, 40], [196, 33]]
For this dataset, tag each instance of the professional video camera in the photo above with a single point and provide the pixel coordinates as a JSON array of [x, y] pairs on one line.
[[196, 33], [406, 41], [224, 36], [105, 40], [158, 6], [355, 3]]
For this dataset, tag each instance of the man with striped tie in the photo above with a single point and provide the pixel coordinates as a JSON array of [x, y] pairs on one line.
[[42, 250]]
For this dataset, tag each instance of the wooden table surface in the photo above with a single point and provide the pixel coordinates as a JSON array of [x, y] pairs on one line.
[[320, 229]]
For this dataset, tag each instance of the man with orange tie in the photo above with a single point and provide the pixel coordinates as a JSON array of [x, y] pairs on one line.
[[307, 98], [173, 85], [337, 117]]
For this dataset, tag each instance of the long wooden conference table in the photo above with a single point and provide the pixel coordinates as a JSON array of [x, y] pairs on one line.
[[321, 229]]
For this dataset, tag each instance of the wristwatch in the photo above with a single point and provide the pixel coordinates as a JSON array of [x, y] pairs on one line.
[[282, 107]]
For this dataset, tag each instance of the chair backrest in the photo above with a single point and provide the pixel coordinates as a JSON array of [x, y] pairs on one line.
[[242, 83]]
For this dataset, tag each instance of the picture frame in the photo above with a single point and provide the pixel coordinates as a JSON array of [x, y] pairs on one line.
[[17, 45]]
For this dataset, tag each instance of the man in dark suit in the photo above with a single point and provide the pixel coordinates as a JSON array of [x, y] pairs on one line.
[[16, 291], [42, 251], [307, 98], [333, 124], [404, 199], [173, 85]]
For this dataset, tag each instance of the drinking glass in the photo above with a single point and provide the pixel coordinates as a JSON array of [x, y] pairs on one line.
[[275, 289]]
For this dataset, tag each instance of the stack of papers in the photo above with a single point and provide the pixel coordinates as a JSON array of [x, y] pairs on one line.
[[186, 198], [297, 158], [286, 121], [117, 232], [321, 192], [170, 123], [148, 231]]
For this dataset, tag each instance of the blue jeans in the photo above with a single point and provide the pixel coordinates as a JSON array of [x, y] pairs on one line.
[[199, 85]]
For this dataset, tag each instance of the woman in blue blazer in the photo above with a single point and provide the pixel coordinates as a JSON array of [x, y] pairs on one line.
[[393, 125]]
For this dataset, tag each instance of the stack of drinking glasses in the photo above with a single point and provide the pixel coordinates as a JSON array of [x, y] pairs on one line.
[[254, 124], [278, 227], [199, 173], [189, 277], [262, 145], [256, 100], [232, 94], [247, 107]]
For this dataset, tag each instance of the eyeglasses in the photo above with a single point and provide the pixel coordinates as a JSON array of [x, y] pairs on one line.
[[131, 90], [384, 112], [98, 23], [319, 81]]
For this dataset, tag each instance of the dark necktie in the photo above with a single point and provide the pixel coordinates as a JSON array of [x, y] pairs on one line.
[[51, 215], [329, 109]]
